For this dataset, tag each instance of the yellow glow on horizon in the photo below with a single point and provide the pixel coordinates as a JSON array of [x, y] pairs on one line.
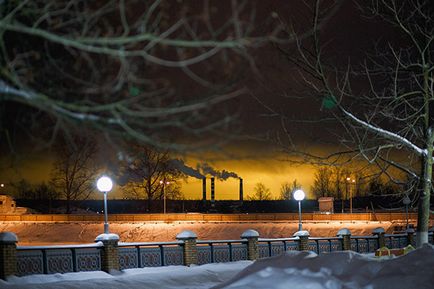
[[272, 173], [267, 170]]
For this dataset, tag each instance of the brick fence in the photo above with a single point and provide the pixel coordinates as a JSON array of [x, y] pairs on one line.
[[384, 217]]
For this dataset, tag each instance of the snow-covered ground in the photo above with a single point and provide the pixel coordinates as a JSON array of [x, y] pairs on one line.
[[40, 233], [292, 270]]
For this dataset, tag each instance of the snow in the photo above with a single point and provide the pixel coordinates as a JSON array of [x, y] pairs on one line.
[[169, 277], [187, 234], [293, 269], [301, 234], [44, 233], [343, 232], [8, 237], [80, 246], [107, 237], [338, 270], [250, 234], [378, 230]]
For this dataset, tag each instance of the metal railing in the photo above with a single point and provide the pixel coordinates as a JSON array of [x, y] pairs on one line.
[[150, 254], [58, 259], [216, 251], [76, 258]]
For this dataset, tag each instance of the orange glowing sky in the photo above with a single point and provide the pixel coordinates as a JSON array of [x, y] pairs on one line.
[[265, 169]]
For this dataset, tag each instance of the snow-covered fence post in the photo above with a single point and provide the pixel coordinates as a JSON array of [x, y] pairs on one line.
[[109, 252], [190, 249], [303, 240], [379, 233], [8, 254], [252, 237], [410, 236], [345, 236]]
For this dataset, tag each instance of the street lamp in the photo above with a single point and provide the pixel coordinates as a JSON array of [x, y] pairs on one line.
[[406, 201], [299, 196], [164, 195], [104, 185], [348, 180]]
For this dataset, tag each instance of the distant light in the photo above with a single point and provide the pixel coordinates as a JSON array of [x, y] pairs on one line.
[[299, 195], [104, 184], [2, 185], [167, 183]]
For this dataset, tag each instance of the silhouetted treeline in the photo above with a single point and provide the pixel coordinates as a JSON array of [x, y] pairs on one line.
[[360, 204]]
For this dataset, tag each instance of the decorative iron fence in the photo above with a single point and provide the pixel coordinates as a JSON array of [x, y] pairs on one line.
[[274, 247], [397, 241], [221, 251], [89, 257], [58, 259], [146, 254]]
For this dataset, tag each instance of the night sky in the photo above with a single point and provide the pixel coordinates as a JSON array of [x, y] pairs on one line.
[[252, 151]]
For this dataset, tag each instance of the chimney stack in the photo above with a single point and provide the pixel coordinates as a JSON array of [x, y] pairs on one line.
[[241, 189], [212, 191], [204, 189]]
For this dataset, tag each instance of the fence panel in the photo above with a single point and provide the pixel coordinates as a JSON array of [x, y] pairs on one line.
[[30, 262]]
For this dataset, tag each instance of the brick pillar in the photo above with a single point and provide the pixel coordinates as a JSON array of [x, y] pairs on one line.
[[379, 233], [8, 254], [303, 240], [190, 249], [109, 252], [345, 236], [410, 236], [252, 237]]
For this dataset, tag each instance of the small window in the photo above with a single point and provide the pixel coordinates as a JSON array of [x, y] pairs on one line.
[[1, 202], [13, 205]]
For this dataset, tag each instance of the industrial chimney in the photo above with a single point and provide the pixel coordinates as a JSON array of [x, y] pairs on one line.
[[241, 189], [212, 192], [204, 190]]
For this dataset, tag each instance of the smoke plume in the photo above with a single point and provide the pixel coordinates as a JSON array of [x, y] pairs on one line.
[[180, 165], [206, 169]]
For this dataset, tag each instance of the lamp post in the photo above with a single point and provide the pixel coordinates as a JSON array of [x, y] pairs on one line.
[[406, 201], [164, 195], [104, 185], [353, 181], [299, 196]]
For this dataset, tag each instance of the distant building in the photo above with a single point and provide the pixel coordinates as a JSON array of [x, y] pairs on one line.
[[8, 206], [326, 204]]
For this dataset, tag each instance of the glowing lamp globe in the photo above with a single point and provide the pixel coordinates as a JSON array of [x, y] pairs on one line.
[[104, 184], [299, 195]]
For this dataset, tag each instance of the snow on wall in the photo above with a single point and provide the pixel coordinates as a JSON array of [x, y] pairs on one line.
[[85, 232]]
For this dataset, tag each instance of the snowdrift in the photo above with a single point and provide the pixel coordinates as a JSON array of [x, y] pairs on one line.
[[336, 270], [292, 270]]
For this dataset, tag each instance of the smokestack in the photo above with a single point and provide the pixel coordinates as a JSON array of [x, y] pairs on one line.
[[204, 189], [241, 189], [212, 191]]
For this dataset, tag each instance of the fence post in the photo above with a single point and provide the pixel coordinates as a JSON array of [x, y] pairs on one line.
[[410, 236], [379, 233], [303, 240], [8, 254], [345, 236], [109, 252], [190, 248], [252, 237]]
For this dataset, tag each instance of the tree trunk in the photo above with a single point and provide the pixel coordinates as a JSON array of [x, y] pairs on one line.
[[424, 198], [68, 206]]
